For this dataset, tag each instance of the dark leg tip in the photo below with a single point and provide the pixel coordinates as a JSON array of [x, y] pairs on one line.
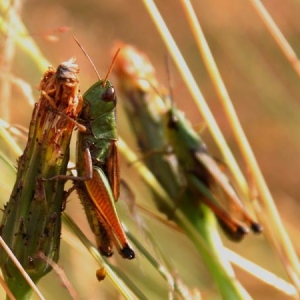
[[241, 230], [106, 253], [256, 228], [234, 234], [127, 252]]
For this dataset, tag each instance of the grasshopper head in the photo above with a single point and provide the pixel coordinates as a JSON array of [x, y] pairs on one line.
[[109, 94], [173, 121], [176, 125], [173, 125], [99, 99]]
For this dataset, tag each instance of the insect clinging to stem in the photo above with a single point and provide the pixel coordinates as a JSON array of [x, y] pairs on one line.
[[97, 164], [163, 124]]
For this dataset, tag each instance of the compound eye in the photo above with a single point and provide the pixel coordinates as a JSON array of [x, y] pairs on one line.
[[109, 95], [172, 121]]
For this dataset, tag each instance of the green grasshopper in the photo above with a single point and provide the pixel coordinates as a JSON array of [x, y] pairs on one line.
[[97, 164], [202, 173], [156, 126], [31, 221]]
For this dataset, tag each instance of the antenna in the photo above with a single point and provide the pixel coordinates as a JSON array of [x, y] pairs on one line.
[[111, 66], [88, 57]]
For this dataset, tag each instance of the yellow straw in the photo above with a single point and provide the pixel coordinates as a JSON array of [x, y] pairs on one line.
[[194, 90], [277, 35], [21, 269]]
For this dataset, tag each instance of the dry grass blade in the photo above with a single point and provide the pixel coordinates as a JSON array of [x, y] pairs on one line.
[[110, 272], [6, 289], [10, 141], [194, 89], [22, 85], [262, 274], [242, 263], [143, 170], [7, 58], [21, 37], [21, 269], [277, 35], [64, 279]]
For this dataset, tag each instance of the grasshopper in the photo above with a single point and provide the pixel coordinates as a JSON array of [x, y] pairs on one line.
[[155, 126], [31, 221], [202, 174], [97, 164]]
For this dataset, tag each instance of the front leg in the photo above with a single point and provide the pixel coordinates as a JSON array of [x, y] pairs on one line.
[[88, 170]]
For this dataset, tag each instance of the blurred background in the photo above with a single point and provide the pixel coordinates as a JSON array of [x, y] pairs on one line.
[[262, 84]]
